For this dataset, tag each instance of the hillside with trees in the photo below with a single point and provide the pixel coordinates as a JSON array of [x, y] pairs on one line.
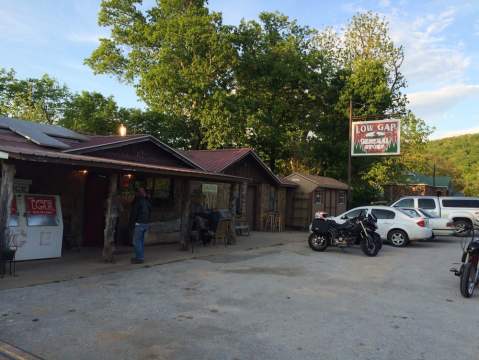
[[459, 157]]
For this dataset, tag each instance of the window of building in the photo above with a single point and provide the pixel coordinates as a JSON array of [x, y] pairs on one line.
[[273, 199], [317, 198], [341, 197]]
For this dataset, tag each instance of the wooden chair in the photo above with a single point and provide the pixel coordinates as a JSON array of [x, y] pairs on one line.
[[222, 231], [242, 228], [278, 224]]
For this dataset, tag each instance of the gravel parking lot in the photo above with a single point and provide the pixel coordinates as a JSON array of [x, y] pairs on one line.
[[282, 302]]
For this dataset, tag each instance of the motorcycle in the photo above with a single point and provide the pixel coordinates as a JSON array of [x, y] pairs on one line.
[[360, 230], [469, 270]]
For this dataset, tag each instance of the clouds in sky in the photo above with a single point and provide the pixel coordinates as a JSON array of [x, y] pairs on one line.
[[436, 67]]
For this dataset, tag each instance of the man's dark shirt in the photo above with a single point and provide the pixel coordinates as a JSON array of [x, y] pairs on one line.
[[140, 213]]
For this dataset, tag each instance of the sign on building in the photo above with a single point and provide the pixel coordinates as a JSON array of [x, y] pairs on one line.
[[377, 137]]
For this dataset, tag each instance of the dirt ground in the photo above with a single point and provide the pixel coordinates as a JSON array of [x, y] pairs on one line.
[[272, 302]]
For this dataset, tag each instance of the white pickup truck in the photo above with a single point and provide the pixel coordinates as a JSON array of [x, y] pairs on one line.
[[463, 211]]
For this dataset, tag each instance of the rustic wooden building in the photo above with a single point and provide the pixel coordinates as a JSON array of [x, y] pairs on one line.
[[89, 172], [262, 199], [418, 184], [314, 193]]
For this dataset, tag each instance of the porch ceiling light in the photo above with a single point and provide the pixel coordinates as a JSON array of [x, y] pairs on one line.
[[122, 130]]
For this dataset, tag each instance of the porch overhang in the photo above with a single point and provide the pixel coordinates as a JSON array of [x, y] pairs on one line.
[[52, 157]]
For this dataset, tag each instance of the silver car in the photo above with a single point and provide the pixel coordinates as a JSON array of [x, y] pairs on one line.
[[440, 226]]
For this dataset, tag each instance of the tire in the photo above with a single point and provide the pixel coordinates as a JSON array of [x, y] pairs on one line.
[[398, 238], [378, 240], [371, 247], [318, 242], [460, 225], [468, 272]]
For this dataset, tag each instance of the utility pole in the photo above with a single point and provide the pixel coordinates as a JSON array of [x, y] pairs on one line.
[[349, 150]]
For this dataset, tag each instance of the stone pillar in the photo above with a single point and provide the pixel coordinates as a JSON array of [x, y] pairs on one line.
[[6, 196], [185, 214], [111, 218]]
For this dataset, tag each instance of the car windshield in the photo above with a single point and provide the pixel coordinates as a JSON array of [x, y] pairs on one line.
[[410, 213]]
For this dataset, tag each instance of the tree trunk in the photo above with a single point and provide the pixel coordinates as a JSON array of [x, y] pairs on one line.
[[6, 196], [111, 218]]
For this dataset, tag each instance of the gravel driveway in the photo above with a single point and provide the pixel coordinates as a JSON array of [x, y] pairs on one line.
[[283, 302]]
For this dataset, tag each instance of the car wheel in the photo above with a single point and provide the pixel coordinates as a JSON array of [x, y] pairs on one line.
[[462, 228], [398, 238]]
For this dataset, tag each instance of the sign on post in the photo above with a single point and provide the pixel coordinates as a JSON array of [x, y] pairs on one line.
[[376, 137]]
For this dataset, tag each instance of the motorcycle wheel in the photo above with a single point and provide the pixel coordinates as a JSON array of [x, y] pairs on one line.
[[378, 240], [318, 242], [370, 247], [468, 279]]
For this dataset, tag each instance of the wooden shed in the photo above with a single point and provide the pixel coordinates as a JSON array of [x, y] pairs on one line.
[[313, 193], [262, 196]]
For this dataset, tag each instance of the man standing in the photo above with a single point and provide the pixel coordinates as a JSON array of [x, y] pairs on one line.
[[139, 219]]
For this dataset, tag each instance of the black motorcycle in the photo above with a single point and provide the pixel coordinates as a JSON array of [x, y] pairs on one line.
[[469, 271], [360, 230]]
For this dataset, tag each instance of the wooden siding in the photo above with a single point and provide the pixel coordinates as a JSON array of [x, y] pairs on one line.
[[145, 152], [249, 168]]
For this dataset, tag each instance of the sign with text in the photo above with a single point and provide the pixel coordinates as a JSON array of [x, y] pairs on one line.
[[209, 188], [40, 205], [377, 137]]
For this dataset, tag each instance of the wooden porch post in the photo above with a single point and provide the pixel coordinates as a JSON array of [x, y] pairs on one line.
[[243, 199], [6, 195], [185, 214], [111, 217], [234, 188]]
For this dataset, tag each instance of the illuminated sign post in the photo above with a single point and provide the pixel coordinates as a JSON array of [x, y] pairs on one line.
[[376, 137]]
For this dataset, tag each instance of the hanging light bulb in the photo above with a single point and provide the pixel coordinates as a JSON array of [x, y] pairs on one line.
[[122, 130]]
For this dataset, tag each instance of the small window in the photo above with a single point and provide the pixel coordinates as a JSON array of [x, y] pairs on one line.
[[317, 198], [426, 204], [341, 197], [406, 203], [410, 212], [273, 199], [383, 214], [353, 213], [461, 203]]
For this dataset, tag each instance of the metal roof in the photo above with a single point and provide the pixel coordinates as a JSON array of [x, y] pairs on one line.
[[41, 134], [321, 181], [42, 155]]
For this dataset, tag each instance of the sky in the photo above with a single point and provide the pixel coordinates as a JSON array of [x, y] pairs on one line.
[[440, 39]]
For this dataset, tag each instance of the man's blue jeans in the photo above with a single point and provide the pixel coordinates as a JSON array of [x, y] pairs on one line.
[[139, 240]]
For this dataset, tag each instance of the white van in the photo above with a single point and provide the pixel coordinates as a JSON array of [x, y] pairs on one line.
[[463, 211]]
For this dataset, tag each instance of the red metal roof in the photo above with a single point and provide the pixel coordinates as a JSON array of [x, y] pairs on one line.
[[99, 140], [217, 160]]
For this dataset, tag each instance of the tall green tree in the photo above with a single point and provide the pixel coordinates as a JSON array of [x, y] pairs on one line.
[[91, 113], [168, 129], [42, 99], [280, 79], [177, 55]]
